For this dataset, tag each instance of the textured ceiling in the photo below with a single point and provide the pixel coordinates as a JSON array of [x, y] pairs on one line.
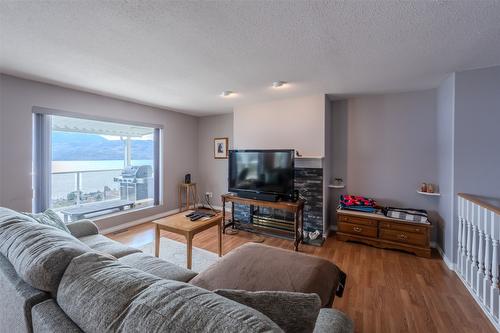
[[182, 54]]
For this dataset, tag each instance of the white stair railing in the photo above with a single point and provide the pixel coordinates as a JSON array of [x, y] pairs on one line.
[[477, 252]]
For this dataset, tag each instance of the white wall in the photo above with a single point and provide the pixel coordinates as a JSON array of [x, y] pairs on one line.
[[212, 173], [295, 123], [180, 144], [445, 137]]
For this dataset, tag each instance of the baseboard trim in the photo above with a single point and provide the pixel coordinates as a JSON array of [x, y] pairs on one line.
[[450, 264], [137, 222]]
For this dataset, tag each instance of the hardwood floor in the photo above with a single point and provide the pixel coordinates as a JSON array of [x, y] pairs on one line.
[[387, 291]]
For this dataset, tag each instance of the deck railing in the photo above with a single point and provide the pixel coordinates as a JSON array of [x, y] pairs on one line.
[[104, 178], [478, 242]]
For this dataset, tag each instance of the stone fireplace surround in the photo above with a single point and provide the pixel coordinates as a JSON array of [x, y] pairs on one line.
[[309, 183]]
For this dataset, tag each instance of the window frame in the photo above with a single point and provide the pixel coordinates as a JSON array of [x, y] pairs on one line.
[[42, 156]]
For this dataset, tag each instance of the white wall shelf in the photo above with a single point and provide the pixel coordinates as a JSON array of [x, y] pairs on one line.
[[309, 161], [309, 157], [336, 186], [430, 194]]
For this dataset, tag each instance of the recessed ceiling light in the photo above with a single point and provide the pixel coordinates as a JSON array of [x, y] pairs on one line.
[[277, 84], [226, 93]]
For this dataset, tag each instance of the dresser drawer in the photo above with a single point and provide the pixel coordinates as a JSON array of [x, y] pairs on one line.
[[404, 227], [356, 229], [357, 220], [404, 237]]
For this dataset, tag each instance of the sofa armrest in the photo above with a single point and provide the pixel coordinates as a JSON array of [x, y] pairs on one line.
[[17, 299], [333, 321], [82, 228]]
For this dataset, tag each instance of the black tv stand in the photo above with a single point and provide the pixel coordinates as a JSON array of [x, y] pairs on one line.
[[260, 225], [259, 196]]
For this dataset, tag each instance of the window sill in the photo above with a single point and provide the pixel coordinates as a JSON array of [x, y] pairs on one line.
[[122, 213]]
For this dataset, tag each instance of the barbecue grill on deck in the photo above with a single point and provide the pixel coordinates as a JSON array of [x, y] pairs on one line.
[[136, 183]]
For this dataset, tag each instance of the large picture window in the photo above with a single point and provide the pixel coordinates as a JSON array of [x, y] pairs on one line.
[[86, 168]]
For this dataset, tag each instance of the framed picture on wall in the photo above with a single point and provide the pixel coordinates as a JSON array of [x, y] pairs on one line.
[[221, 147]]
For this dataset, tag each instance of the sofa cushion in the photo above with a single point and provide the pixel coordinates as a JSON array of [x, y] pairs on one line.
[[247, 268], [158, 267], [333, 321], [49, 318], [82, 228], [293, 312], [103, 244], [103, 295], [49, 217], [39, 253]]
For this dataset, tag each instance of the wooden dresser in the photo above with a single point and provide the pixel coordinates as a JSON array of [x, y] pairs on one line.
[[381, 231]]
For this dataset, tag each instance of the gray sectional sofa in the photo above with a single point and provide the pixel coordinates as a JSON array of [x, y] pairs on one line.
[[81, 281]]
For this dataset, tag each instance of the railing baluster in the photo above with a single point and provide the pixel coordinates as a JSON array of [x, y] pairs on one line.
[[478, 252], [464, 238], [494, 267], [460, 227], [494, 272], [469, 244], [474, 266], [480, 256], [487, 268]]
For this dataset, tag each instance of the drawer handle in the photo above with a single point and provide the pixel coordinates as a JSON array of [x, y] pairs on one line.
[[357, 229], [402, 236]]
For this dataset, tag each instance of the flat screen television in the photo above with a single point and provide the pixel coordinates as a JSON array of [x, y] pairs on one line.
[[262, 174]]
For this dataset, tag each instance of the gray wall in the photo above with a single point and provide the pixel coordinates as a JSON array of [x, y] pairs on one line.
[[390, 147], [212, 173], [180, 144], [1, 140], [445, 133], [477, 133], [476, 137], [338, 152], [468, 137], [327, 167]]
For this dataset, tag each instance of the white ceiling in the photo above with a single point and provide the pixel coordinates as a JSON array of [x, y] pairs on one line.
[[182, 54]]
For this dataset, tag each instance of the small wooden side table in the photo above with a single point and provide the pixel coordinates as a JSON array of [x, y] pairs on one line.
[[181, 225], [189, 192]]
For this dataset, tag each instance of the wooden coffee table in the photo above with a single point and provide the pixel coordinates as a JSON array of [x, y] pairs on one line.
[[181, 225]]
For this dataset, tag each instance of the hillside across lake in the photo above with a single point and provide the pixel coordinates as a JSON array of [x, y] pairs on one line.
[[68, 146]]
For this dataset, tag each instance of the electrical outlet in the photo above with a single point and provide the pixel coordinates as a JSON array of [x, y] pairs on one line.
[[209, 194]]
